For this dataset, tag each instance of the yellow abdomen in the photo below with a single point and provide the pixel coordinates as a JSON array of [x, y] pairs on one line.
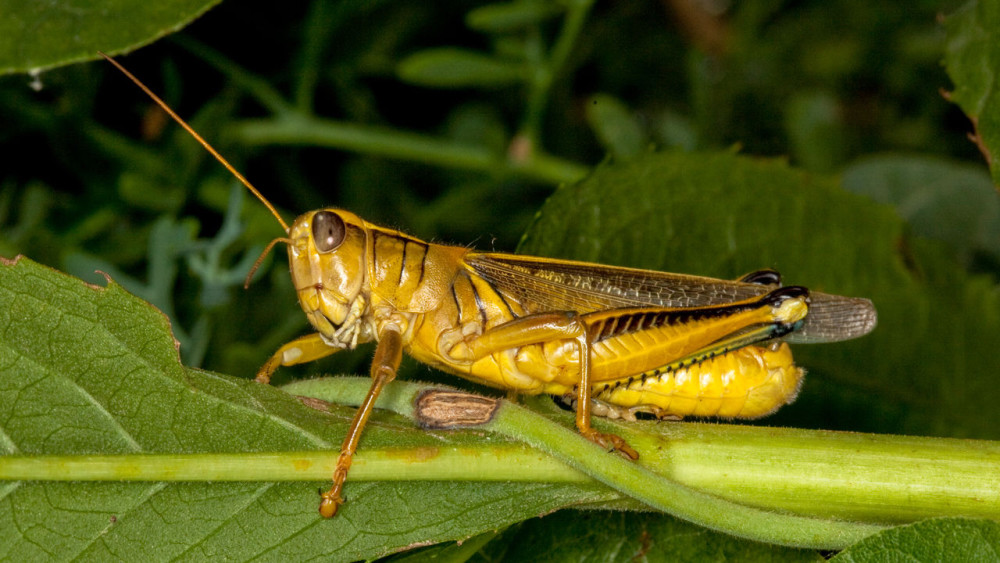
[[746, 383]]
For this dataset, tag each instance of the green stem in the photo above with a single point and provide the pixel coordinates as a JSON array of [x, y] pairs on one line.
[[846, 475], [297, 126], [421, 464], [296, 129], [630, 478], [675, 498], [321, 24], [708, 473], [544, 75]]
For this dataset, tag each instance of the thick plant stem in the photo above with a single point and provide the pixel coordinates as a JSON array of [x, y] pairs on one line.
[[822, 473], [675, 498], [815, 474]]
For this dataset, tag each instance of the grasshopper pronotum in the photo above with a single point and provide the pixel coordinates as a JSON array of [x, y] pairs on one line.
[[615, 340]]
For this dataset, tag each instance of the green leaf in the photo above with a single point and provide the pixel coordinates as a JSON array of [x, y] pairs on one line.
[[458, 68], [939, 539], [942, 200], [814, 125], [89, 370], [510, 16], [448, 552], [75, 31], [926, 369], [972, 57], [599, 536], [674, 131], [615, 126]]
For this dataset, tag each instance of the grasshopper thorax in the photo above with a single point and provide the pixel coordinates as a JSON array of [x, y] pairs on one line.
[[327, 259]]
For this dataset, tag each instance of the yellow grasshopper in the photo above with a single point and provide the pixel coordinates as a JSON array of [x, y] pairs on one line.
[[616, 341]]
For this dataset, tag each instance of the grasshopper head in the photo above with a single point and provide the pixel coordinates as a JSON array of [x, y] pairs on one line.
[[327, 257], [326, 250]]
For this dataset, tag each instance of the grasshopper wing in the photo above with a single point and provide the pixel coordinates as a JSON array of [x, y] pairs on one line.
[[547, 284]]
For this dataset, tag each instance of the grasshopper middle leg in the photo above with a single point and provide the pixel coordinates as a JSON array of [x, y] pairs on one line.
[[545, 327]]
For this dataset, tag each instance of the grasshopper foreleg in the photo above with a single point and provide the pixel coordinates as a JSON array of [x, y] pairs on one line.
[[299, 351]]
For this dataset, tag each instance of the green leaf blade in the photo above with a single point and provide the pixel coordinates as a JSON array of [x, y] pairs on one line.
[[972, 57], [90, 370], [75, 31], [943, 200], [614, 125], [595, 536], [939, 539], [506, 17], [458, 68]]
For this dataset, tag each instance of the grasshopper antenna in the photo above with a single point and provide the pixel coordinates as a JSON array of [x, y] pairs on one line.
[[211, 151], [260, 259]]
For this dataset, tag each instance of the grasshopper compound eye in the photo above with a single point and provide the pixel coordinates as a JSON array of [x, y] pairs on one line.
[[327, 230]]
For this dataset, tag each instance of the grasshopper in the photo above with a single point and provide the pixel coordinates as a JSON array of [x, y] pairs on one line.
[[614, 341]]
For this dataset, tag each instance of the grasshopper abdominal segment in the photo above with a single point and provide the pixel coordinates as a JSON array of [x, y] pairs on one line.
[[617, 340]]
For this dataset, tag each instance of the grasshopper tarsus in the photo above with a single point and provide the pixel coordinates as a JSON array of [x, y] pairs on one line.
[[330, 503], [612, 442], [264, 373], [331, 500]]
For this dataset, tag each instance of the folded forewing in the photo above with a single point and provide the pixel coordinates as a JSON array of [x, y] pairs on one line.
[[545, 284]]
